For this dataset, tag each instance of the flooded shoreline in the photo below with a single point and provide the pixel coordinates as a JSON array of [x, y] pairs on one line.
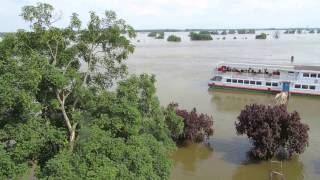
[[182, 70]]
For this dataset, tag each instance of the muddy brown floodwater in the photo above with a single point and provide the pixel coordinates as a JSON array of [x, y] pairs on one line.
[[182, 71]]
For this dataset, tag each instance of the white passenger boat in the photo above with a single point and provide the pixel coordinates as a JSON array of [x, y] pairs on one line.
[[296, 79]]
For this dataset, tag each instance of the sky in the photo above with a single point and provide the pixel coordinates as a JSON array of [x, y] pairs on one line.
[[178, 14]]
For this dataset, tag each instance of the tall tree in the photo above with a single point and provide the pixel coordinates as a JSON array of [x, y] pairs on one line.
[[101, 48], [57, 112]]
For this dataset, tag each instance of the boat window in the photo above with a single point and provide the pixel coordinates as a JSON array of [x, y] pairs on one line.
[[240, 81], [313, 75], [234, 80], [252, 82], [268, 83], [259, 83], [304, 86], [312, 87], [298, 86], [305, 74], [228, 80], [318, 75], [274, 84], [246, 81]]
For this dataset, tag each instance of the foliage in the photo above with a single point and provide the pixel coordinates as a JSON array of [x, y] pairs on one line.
[[156, 35], [197, 127], [99, 155], [215, 32], [173, 38], [290, 31], [271, 128], [174, 122], [204, 32], [197, 36], [152, 34], [160, 35], [232, 31], [224, 32], [261, 36], [57, 112], [246, 31], [312, 31]]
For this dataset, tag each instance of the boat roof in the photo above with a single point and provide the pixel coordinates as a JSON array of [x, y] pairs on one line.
[[306, 68], [285, 67]]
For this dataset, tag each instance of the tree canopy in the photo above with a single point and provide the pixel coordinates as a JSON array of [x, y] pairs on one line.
[[200, 36], [173, 38], [58, 114], [272, 128], [261, 36]]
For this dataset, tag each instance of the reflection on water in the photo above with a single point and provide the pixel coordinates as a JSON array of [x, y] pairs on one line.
[[292, 170], [229, 100], [182, 70], [230, 151], [189, 156]]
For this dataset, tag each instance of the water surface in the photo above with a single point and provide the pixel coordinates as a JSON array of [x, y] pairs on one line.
[[182, 71]]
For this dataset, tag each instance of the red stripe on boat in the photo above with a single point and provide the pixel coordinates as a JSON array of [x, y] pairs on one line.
[[257, 89]]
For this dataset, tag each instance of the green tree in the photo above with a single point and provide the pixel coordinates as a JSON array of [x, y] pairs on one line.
[[173, 38], [57, 112], [160, 35], [198, 37], [261, 36]]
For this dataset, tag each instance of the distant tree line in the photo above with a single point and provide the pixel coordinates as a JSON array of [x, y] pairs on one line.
[[156, 35], [204, 36]]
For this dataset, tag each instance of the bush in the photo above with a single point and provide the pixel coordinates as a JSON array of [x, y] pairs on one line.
[[224, 32], [246, 31], [160, 35], [271, 128], [204, 32], [174, 122], [152, 34], [173, 38], [261, 36], [197, 36], [215, 32], [232, 31], [197, 127]]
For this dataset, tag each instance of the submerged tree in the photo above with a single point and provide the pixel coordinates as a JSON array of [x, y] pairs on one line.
[[173, 38], [261, 36], [276, 34], [200, 37], [197, 127], [271, 128]]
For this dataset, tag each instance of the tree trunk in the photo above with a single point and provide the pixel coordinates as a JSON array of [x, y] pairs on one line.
[[71, 128]]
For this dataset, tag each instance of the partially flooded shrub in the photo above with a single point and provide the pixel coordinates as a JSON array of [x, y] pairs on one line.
[[197, 127], [273, 131]]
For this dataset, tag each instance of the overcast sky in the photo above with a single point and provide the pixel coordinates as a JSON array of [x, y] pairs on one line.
[[180, 14]]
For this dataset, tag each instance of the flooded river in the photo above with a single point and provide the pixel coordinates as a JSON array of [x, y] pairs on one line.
[[182, 71]]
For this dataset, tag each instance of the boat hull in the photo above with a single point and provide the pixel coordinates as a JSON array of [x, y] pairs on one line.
[[255, 90]]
